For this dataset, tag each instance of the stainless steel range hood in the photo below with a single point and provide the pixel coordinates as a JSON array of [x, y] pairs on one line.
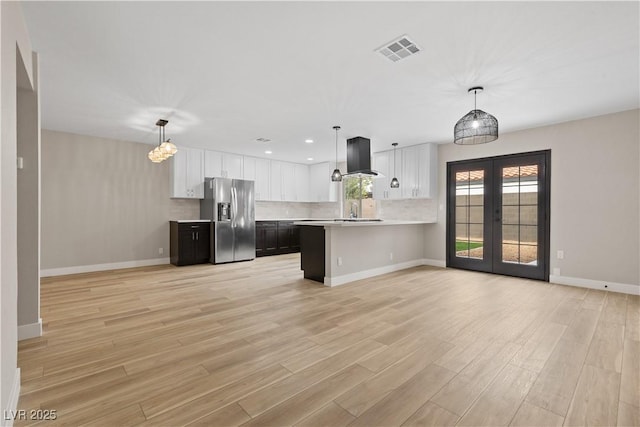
[[359, 157]]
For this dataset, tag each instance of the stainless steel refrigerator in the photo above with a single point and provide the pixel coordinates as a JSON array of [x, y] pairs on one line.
[[230, 205]]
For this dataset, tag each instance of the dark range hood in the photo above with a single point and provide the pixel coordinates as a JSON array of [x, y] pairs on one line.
[[359, 157]]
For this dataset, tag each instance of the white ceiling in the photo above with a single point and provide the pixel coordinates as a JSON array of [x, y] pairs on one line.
[[226, 73]]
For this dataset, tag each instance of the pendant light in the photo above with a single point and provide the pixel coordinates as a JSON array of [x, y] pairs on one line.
[[336, 176], [476, 127], [165, 148], [394, 182]]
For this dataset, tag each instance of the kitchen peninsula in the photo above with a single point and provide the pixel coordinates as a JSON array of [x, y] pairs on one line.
[[338, 252]]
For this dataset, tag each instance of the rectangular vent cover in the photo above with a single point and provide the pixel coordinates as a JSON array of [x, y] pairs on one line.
[[400, 48]]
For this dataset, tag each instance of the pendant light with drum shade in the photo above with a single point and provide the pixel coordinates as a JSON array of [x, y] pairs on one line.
[[336, 176], [476, 127], [165, 148], [394, 182]]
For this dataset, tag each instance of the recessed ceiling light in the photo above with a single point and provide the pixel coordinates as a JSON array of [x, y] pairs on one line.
[[310, 158], [309, 141], [268, 152]]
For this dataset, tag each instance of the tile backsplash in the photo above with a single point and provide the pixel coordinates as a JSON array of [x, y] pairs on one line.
[[274, 210], [184, 209], [409, 210]]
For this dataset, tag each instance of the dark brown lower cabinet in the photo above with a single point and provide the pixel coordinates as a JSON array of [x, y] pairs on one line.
[[190, 242], [266, 238], [276, 237]]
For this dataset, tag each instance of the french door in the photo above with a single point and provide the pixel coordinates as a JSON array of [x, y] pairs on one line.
[[498, 215]]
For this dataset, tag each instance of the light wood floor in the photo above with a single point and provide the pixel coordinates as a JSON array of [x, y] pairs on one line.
[[255, 344]]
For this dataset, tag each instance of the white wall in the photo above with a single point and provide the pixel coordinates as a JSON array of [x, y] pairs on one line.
[[28, 193], [14, 40], [104, 204], [595, 201]]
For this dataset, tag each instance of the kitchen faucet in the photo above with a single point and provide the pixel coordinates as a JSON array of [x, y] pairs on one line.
[[354, 210]]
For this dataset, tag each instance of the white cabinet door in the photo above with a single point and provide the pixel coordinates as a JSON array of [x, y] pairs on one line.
[[275, 171], [383, 163], [288, 182], [321, 188], [428, 171], [187, 173], [381, 184], [213, 164], [257, 170], [232, 166], [222, 165], [301, 179], [419, 173], [410, 167]]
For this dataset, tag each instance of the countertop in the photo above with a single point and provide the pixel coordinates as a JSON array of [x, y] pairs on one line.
[[285, 219], [190, 220], [382, 223]]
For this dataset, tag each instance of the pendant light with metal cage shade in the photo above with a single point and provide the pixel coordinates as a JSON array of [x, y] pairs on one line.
[[476, 127], [336, 176], [394, 182]]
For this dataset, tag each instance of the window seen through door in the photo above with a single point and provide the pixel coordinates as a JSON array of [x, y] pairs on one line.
[[469, 214]]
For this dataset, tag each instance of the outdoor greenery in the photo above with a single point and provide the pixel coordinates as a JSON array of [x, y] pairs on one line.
[[352, 188], [463, 245]]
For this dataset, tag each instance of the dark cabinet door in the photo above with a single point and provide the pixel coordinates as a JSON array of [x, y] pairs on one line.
[[187, 249], [202, 246], [277, 237], [190, 243], [284, 238], [266, 238], [271, 240], [295, 238]]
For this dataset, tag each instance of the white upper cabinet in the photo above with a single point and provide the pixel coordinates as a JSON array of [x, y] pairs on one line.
[[277, 191], [419, 171], [301, 179], [258, 170], [410, 170], [186, 170], [289, 181], [416, 169], [321, 188], [428, 171], [222, 165], [383, 163]]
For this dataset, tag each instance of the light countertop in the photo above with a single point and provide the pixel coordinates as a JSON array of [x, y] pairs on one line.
[[190, 220], [382, 223]]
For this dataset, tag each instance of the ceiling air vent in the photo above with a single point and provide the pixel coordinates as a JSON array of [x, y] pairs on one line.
[[398, 49], [263, 140]]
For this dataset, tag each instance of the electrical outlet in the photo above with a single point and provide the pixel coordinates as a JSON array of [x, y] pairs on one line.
[[339, 260], [390, 256], [160, 251], [560, 254]]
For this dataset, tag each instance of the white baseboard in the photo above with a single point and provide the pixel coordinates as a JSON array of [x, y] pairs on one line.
[[32, 330], [49, 272], [434, 263], [347, 278], [623, 288], [11, 411]]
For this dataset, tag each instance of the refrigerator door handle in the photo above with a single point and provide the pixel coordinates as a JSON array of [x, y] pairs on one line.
[[234, 206]]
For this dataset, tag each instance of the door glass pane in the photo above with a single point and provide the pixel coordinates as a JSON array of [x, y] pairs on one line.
[[469, 214], [520, 214]]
